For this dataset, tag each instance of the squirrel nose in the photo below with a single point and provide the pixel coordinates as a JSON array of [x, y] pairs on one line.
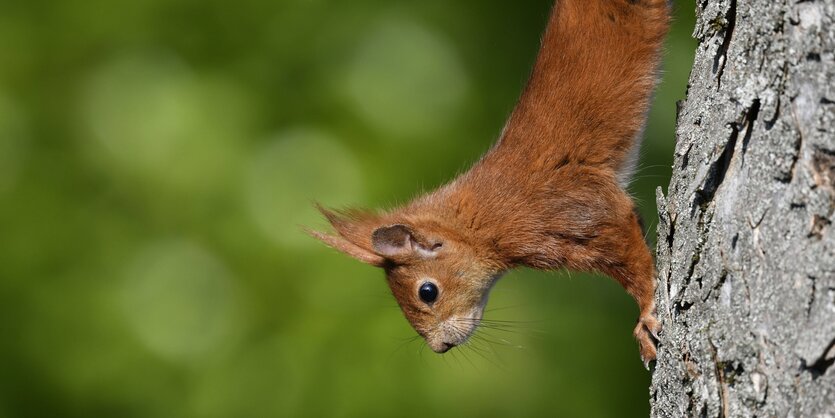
[[445, 347]]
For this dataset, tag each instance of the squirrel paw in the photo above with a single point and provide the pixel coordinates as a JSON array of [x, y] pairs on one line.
[[646, 332]]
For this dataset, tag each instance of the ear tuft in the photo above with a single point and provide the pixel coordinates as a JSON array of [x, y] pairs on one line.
[[392, 241], [346, 247], [353, 232]]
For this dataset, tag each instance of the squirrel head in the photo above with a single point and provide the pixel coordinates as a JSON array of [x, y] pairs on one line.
[[439, 280]]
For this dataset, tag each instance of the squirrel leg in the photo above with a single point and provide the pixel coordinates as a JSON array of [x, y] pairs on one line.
[[631, 264]]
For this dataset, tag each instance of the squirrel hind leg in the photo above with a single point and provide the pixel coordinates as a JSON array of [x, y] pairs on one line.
[[629, 261]]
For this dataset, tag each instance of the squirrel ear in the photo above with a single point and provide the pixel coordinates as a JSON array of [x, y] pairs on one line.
[[392, 241], [347, 247], [399, 241]]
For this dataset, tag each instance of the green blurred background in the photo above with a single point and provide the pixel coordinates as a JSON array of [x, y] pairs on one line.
[[157, 158]]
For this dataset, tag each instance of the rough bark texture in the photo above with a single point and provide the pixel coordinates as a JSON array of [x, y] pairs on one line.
[[746, 246]]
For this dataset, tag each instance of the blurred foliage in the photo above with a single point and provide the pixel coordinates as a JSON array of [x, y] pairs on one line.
[[158, 156]]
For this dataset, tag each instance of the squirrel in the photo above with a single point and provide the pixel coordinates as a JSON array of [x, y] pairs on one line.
[[549, 194]]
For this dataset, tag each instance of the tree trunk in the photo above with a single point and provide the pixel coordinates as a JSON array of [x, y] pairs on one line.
[[746, 242]]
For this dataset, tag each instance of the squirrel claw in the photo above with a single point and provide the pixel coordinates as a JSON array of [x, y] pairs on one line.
[[646, 332], [654, 333]]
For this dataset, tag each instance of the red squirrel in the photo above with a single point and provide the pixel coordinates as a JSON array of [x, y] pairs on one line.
[[550, 192]]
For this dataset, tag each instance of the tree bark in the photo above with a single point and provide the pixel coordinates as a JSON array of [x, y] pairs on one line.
[[746, 242]]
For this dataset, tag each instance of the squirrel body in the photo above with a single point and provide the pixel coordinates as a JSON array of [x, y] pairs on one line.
[[548, 195]]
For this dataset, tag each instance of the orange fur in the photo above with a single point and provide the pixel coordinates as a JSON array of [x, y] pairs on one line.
[[547, 195]]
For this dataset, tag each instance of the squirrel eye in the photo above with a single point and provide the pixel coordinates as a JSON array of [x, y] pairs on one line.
[[428, 292]]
